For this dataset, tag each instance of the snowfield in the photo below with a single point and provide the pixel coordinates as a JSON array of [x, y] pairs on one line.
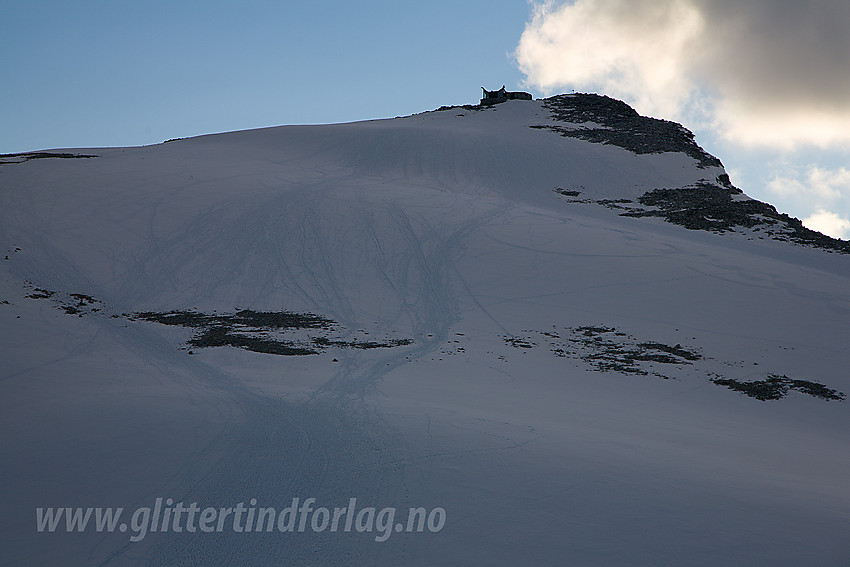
[[458, 309]]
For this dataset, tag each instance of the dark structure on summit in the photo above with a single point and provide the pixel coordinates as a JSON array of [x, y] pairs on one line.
[[501, 95]]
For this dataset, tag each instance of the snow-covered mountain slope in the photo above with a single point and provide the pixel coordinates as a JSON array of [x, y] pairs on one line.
[[556, 320]]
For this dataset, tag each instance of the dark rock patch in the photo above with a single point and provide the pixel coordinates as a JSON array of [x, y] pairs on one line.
[[220, 336], [38, 293], [27, 156], [567, 192], [620, 125], [712, 207], [243, 318], [776, 387], [325, 342], [267, 332]]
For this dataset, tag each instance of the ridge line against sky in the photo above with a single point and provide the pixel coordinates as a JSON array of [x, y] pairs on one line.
[[765, 84]]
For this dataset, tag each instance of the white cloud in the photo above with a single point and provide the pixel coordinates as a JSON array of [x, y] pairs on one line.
[[762, 72], [613, 45], [828, 223], [823, 183]]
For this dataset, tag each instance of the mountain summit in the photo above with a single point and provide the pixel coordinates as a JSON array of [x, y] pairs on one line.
[[554, 326]]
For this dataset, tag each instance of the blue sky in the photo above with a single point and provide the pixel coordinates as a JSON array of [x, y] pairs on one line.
[[764, 84], [130, 73]]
